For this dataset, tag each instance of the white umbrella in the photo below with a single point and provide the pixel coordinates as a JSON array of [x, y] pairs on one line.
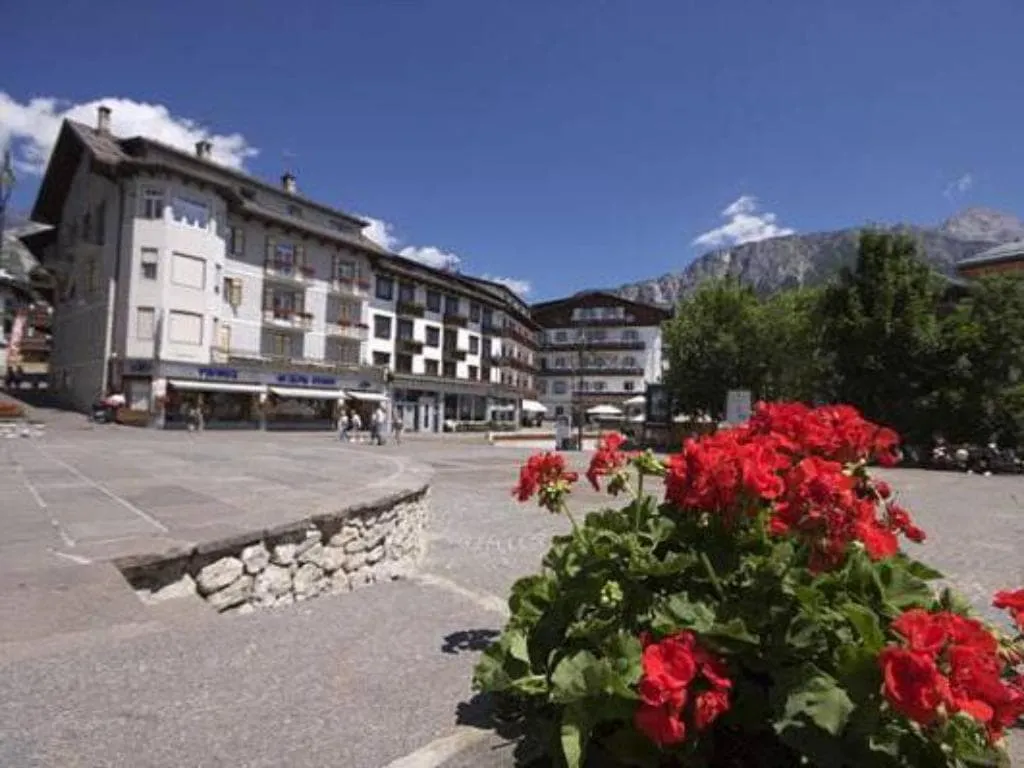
[[604, 410], [638, 419], [636, 400], [682, 418]]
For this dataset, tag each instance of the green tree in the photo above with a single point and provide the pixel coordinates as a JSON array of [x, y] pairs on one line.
[[880, 330], [713, 346], [978, 388], [794, 365]]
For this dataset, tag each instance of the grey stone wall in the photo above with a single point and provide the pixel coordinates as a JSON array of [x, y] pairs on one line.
[[326, 554]]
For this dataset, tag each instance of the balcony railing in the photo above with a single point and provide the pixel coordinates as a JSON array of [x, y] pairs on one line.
[[593, 370], [609, 344], [344, 329], [287, 270], [511, 332], [410, 308], [455, 320], [453, 353], [271, 362], [410, 346], [350, 286], [288, 318]]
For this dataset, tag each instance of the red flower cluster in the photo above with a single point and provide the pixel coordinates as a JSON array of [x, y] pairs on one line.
[[609, 460], [836, 432], [1012, 602], [797, 459], [949, 663], [545, 475], [677, 671]]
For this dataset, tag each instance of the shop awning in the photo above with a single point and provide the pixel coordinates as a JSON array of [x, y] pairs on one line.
[[214, 386], [308, 394], [503, 408], [373, 397], [534, 406]]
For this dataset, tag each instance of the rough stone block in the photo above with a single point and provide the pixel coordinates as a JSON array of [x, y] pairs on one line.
[[333, 559], [273, 582], [362, 578], [314, 555], [313, 537], [344, 536], [355, 545], [340, 583], [308, 581], [255, 558], [284, 554], [183, 587], [375, 555], [218, 574], [234, 594], [354, 562]]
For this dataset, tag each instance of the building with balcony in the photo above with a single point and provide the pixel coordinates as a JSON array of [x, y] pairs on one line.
[[182, 282], [597, 349]]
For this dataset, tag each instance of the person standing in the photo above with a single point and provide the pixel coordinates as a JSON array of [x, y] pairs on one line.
[[397, 426], [377, 425], [357, 425], [344, 425]]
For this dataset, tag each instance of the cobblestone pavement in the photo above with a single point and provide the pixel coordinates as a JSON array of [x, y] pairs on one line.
[[351, 680]]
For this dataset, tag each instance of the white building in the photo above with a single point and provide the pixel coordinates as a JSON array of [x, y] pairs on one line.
[[597, 349], [181, 281]]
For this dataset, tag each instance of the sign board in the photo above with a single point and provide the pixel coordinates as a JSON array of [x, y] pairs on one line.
[[563, 431], [659, 405], [737, 406]]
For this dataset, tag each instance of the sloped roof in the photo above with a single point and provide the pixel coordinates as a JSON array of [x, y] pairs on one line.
[[1005, 252]]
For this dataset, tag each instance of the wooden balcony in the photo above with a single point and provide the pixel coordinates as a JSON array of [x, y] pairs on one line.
[[410, 346], [453, 354], [456, 321], [344, 329], [410, 309], [287, 319], [289, 272], [349, 286]]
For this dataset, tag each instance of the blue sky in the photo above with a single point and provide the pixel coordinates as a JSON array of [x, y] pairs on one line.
[[569, 144]]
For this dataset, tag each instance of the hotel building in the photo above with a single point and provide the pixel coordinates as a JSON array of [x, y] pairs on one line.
[[596, 349], [183, 281]]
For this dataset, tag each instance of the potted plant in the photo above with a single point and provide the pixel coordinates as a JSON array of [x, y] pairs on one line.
[[762, 613]]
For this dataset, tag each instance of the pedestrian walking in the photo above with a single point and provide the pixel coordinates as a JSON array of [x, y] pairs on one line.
[[344, 426], [357, 425], [397, 426], [377, 422]]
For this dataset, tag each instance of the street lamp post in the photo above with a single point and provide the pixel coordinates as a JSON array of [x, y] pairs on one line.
[[581, 341]]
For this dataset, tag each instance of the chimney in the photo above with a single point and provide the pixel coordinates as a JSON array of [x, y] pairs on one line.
[[203, 149], [103, 119], [288, 183]]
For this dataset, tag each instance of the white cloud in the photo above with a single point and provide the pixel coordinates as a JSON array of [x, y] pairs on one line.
[[746, 224], [514, 284], [959, 186], [380, 232], [31, 127]]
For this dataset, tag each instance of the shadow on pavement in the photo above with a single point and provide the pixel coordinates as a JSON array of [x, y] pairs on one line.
[[469, 640]]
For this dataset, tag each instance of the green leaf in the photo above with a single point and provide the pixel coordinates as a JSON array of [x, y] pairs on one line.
[[677, 613], [573, 735], [818, 699], [865, 622], [922, 571], [900, 587], [735, 630], [571, 679]]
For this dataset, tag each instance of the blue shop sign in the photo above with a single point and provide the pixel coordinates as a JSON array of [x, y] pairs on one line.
[[221, 374], [306, 379]]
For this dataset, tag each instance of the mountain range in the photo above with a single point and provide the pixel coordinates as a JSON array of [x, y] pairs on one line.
[[802, 260]]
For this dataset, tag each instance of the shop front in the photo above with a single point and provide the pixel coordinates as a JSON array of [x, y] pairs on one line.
[[223, 405], [418, 410], [296, 408]]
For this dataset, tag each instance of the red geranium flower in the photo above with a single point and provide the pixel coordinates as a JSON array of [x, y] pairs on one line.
[[545, 475], [912, 683], [922, 630], [662, 725], [608, 460], [1012, 602], [708, 706]]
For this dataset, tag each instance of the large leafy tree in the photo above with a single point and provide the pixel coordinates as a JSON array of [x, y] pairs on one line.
[[712, 344], [880, 330], [794, 365]]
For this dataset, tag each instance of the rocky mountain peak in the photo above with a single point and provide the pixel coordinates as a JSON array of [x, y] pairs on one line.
[[983, 225]]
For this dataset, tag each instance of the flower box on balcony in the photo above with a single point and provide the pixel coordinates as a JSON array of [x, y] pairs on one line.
[[459, 321], [410, 308], [411, 346]]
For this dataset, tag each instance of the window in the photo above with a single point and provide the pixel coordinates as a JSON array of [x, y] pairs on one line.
[[488, 317], [433, 336], [629, 361], [561, 336], [430, 367], [149, 261], [474, 345], [185, 327], [188, 271], [382, 359], [451, 305], [381, 327], [233, 291], [559, 410], [434, 301], [403, 364], [190, 212], [630, 334], [344, 269], [278, 345], [559, 388], [145, 323], [224, 338], [627, 386], [152, 203], [474, 372], [542, 388], [236, 241], [407, 292], [474, 312], [449, 370], [385, 288], [599, 386], [560, 362], [405, 329]]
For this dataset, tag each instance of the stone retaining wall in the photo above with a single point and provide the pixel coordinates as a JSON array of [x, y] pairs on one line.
[[290, 563]]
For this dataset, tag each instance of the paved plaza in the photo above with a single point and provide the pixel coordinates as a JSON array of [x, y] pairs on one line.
[[377, 677]]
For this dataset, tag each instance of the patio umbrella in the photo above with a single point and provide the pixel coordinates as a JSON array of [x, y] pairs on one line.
[[636, 400], [604, 410]]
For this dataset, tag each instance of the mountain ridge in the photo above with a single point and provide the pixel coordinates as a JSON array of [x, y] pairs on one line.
[[813, 258]]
